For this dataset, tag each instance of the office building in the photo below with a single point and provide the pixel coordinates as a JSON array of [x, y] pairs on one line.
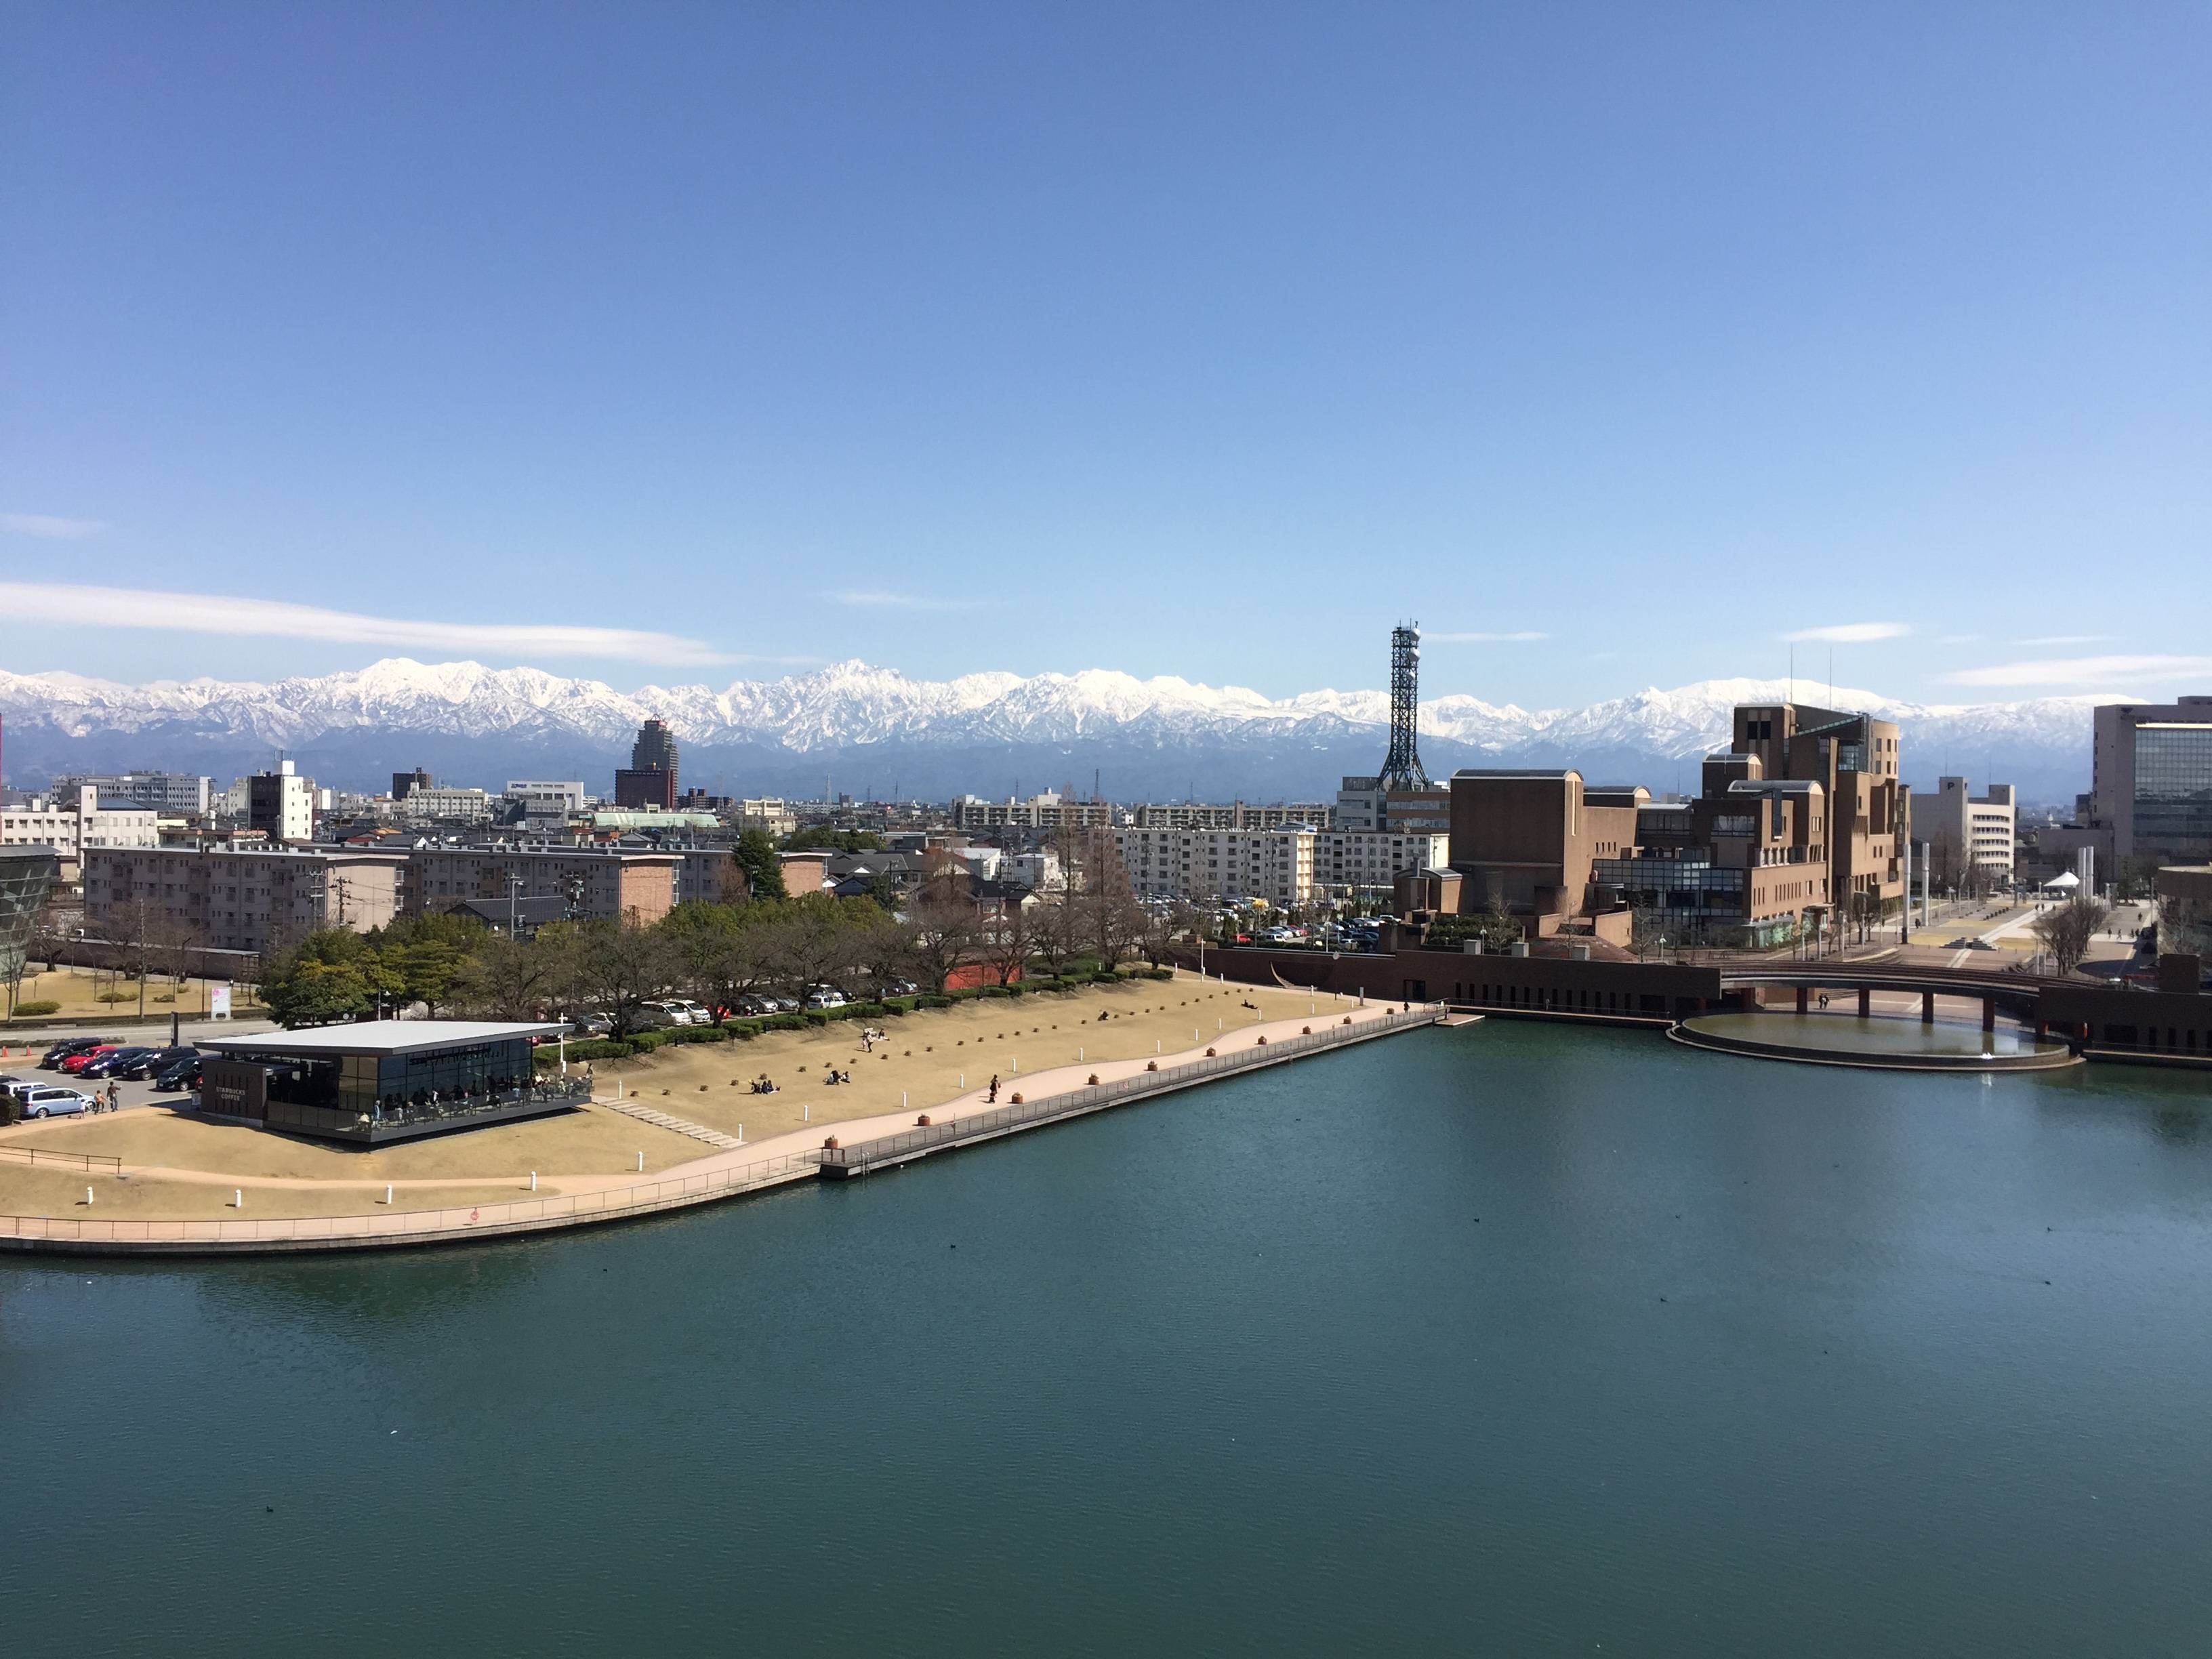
[[281, 805], [1237, 814], [1854, 758], [554, 802], [1364, 805], [449, 804], [2184, 912], [650, 778], [181, 794], [2152, 780], [1523, 842], [232, 899], [1969, 838], [404, 784]]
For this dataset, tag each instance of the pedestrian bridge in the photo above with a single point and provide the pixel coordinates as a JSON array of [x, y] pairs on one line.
[[2016, 993]]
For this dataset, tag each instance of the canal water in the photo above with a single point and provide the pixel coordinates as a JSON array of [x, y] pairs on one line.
[[1506, 1338]]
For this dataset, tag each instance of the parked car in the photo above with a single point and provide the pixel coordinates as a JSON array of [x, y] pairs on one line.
[[154, 1062], [596, 1026], [825, 996], [75, 1064], [753, 1004], [51, 1100], [901, 987], [690, 1013], [106, 1062], [185, 1074], [52, 1059]]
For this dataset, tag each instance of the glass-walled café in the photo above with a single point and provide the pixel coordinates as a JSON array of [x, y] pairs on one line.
[[382, 1080]]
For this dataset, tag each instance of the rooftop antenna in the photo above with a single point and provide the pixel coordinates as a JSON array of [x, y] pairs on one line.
[[1401, 766]]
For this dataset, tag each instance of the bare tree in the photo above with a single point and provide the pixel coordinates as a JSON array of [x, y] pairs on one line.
[[2067, 931], [942, 928], [516, 979], [1112, 920], [1011, 936], [618, 967]]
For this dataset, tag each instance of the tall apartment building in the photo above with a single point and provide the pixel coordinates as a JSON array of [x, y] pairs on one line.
[[450, 805], [650, 778], [1047, 812], [281, 805], [2151, 780], [1274, 864], [1366, 805], [1237, 814], [180, 793], [1854, 758], [1966, 835], [230, 900], [404, 784], [74, 823], [1355, 864], [597, 882]]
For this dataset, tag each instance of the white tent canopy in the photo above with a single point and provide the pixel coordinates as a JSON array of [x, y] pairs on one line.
[[2067, 880]]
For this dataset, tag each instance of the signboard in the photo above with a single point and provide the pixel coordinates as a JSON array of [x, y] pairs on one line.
[[219, 1002]]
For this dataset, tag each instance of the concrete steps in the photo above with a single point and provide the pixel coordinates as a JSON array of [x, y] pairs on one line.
[[681, 1125]]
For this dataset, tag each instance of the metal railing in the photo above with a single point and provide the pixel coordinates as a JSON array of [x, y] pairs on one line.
[[37, 1155], [452, 1221], [1093, 1097]]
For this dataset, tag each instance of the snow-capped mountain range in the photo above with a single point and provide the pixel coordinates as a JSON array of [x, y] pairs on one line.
[[871, 730]]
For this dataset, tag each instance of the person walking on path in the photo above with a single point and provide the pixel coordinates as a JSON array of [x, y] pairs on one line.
[[114, 1095], [993, 1098]]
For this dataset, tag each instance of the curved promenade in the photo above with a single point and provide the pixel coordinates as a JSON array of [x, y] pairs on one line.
[[2046, 1058], [790, 1158]]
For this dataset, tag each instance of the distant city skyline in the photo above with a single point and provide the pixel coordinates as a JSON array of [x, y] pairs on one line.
[[679, 345]]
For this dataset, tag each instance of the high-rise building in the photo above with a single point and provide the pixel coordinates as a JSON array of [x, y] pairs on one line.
[[404, 784], [650, 778], [281, 805], [2151, 780]]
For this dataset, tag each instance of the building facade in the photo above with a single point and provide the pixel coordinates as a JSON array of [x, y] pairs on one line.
[[617, 883], [178, 792], [27, 875], [72, 825], [1208, 865], [650, 778], [2185, 911], [1969, 838], [552, 802], [281, 805], [1237, 814], [1353, 864], [1048, 811], [231, 900], [1854, 757], [2151, 780]]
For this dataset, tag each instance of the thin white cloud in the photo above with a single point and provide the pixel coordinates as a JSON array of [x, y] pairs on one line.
[[1851, 633], [47, 527], [1520, 638], [881, 599], [1957, 639], [71, 604], [2086, 672], [2067, 639]]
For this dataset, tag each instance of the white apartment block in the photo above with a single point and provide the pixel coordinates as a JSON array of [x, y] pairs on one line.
[[161, 791], [1038, 812], [450, 805], [1370, 861], [1274, 864], [244, 901], [82, 823], [279, 804], [1237, 814], [766, 812], [1964, 831]]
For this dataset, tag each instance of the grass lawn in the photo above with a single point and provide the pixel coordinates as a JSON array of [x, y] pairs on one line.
[[76, 989]]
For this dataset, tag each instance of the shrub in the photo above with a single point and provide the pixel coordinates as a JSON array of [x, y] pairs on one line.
[[816, 1018], [933, 1000], [33, 1009], [993, 991], [594, 1049]]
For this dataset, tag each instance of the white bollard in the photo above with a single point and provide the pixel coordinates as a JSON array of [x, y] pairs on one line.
[[963, 1079], [1079, 1054], [902, 1100], [533, 1180], [1156, 1046], [387, 1192], [238, 1198], [88, 1195], [640, 1162], [1017, 1063], [807, 1113], [741, 1134]]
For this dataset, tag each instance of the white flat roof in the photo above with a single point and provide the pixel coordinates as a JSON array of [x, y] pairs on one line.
[[379, 1036]]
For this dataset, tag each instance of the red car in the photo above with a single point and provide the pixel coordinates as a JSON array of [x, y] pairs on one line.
[[78, 1062]]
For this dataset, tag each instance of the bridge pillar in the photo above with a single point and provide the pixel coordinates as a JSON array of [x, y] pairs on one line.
[[1927, 1007], [1866, 1002], [1804, 998], [1989, 1013]]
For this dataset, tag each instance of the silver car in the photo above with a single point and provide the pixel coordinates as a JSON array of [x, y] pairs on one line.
[[51, 1101]]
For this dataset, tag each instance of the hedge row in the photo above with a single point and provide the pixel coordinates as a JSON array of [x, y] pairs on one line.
[[33, 1009], [743, 1031]]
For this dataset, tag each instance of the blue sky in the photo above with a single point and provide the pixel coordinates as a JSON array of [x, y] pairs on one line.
[[658, 342]]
